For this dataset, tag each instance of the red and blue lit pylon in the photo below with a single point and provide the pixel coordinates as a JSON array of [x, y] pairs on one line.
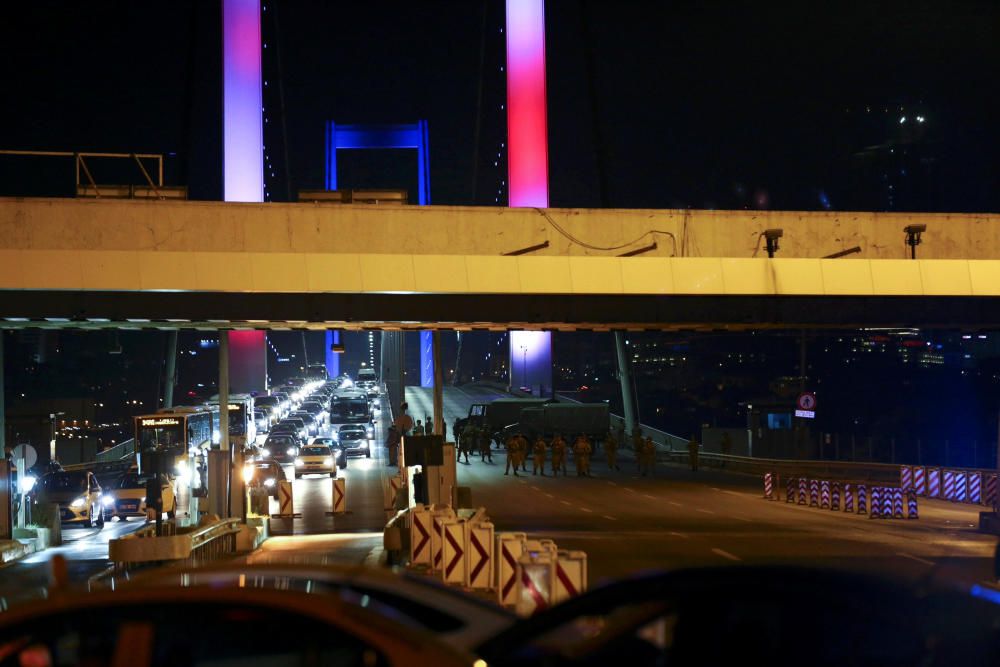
[[528, 161]]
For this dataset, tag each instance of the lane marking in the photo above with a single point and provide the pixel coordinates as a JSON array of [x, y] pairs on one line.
[[612, 483], [701, 509], [587, 510], [646, 495], [535, 487], [742, 518], [609, 518], [565, 502], [675, 504], [680, 535], [715, 488], [733, 493], [917, 558], [725, 554], [549, 495], [630, 489]]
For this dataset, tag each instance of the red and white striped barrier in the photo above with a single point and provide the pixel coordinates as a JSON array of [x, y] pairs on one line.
[[571, 575], [439, 514], [920, 480], [905, 477], [849, 497], [835, 497], [814, 493], [769, 486], [887, 502], [933, 483], [862, 499], [974, 481], [790, 485], [824, 495], [961, 489], [990, 497], [286, 503], [802, 490], [479, 567], [948, 484]]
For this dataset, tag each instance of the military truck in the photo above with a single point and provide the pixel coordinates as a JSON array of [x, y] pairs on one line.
[[496, 415], [567, 419]]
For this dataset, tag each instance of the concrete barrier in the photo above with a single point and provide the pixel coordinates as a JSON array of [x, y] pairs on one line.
[[209, 540], [535, 578], [570, 575]]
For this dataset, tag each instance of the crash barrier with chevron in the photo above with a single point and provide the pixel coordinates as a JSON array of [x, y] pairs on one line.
[[975, 487], [464, 550], [211, 539], [875, 500]]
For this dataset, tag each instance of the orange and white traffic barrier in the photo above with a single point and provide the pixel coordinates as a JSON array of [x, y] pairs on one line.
[[338, 494], [509, 548], [933, 482], [920, 480], [911, 503], [286, 504], [479, 556], [886, 502], [790, 485], [897, 503], [535, 577], [571, 575], [420, 535], [824, 495], [439, 513], [390, 488], [835, 497], [454, 542], [905, 477], [862, 498], [876, 508], [849, 498], [769, 486]]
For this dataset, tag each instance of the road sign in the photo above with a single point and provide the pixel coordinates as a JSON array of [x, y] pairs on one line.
[[480, 555], [28, 453], [339, 495], [454, 539], [807, 401]]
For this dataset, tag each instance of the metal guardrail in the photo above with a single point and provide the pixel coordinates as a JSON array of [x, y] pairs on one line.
[[120, 451], [881, 472], [204, 543], [661, 439]]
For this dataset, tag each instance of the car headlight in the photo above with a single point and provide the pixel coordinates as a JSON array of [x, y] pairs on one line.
[[364, 444], [27, 483], [269, 482], [291, 451], [265, 451], [299, 462], [107, 501], [79, 502], [328, 461]]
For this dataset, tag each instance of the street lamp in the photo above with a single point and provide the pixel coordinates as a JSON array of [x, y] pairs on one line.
[[52, 442], [524, 365]]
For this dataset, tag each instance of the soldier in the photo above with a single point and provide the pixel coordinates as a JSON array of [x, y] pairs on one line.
[[419, 428], [693, 453], [539, 456], [648, 455], [463, 447], [522, 448], [611, 450], [485, 451], [581, 456], [513, 444], [558, 455]]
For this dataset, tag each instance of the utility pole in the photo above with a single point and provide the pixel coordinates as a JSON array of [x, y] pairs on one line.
[[171, 381], [624, 379]]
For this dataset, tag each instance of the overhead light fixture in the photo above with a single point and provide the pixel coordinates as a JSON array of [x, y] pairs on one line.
[[337, 348], [913, 239], [772, 236]]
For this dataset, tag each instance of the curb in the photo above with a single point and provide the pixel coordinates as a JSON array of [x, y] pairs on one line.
[[12, 551]]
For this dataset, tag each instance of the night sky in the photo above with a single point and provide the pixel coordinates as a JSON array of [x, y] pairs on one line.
[[702, 105]]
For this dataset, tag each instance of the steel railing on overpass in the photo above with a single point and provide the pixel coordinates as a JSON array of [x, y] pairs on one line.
[[120, 451]]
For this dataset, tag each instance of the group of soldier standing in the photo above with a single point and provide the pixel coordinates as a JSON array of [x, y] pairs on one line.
[[474, 439]]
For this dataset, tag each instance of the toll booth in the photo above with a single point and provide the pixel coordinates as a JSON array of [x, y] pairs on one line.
[[430, 464]]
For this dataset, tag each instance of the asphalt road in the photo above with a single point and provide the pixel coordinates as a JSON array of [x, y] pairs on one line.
[[678, 518]]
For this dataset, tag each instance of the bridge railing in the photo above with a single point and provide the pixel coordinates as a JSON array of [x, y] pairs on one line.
[[665, 442], [120, 451]]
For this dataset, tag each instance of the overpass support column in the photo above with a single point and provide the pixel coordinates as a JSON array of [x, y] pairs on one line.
[[171, 379], [625, 378], [428, 358], [438, 384], [332, 358]]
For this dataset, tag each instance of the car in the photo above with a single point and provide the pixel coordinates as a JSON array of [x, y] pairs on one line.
[[353, 439], [332, 444], [145, 626], [462, 620], [127, 498], [76, 492], [282, 447], [308, 421], [265, 473], [301, 423], [262, 420], [315, 458]]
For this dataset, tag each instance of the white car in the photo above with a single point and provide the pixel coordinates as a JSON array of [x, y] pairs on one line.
[[76, 492], [128, 497]]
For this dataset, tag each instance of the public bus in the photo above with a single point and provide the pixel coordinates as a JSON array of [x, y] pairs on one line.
[[242, 427], [183, 434]]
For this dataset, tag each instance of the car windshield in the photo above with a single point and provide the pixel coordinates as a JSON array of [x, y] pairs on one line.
[[354, 430], [315, 450], [131, 481], [64, 481]]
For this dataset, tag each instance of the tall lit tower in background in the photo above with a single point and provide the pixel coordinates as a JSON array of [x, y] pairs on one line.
[[528, 162], [243, 158]]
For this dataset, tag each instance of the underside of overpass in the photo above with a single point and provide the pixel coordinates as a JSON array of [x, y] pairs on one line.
[[210, 265]]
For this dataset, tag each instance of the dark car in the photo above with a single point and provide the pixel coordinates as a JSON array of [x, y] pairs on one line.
[[308, 420], [282, 447], [266, 473], [353, 439], [302, 423]]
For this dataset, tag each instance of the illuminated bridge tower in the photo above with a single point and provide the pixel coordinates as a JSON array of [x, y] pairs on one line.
[[528, 164]]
